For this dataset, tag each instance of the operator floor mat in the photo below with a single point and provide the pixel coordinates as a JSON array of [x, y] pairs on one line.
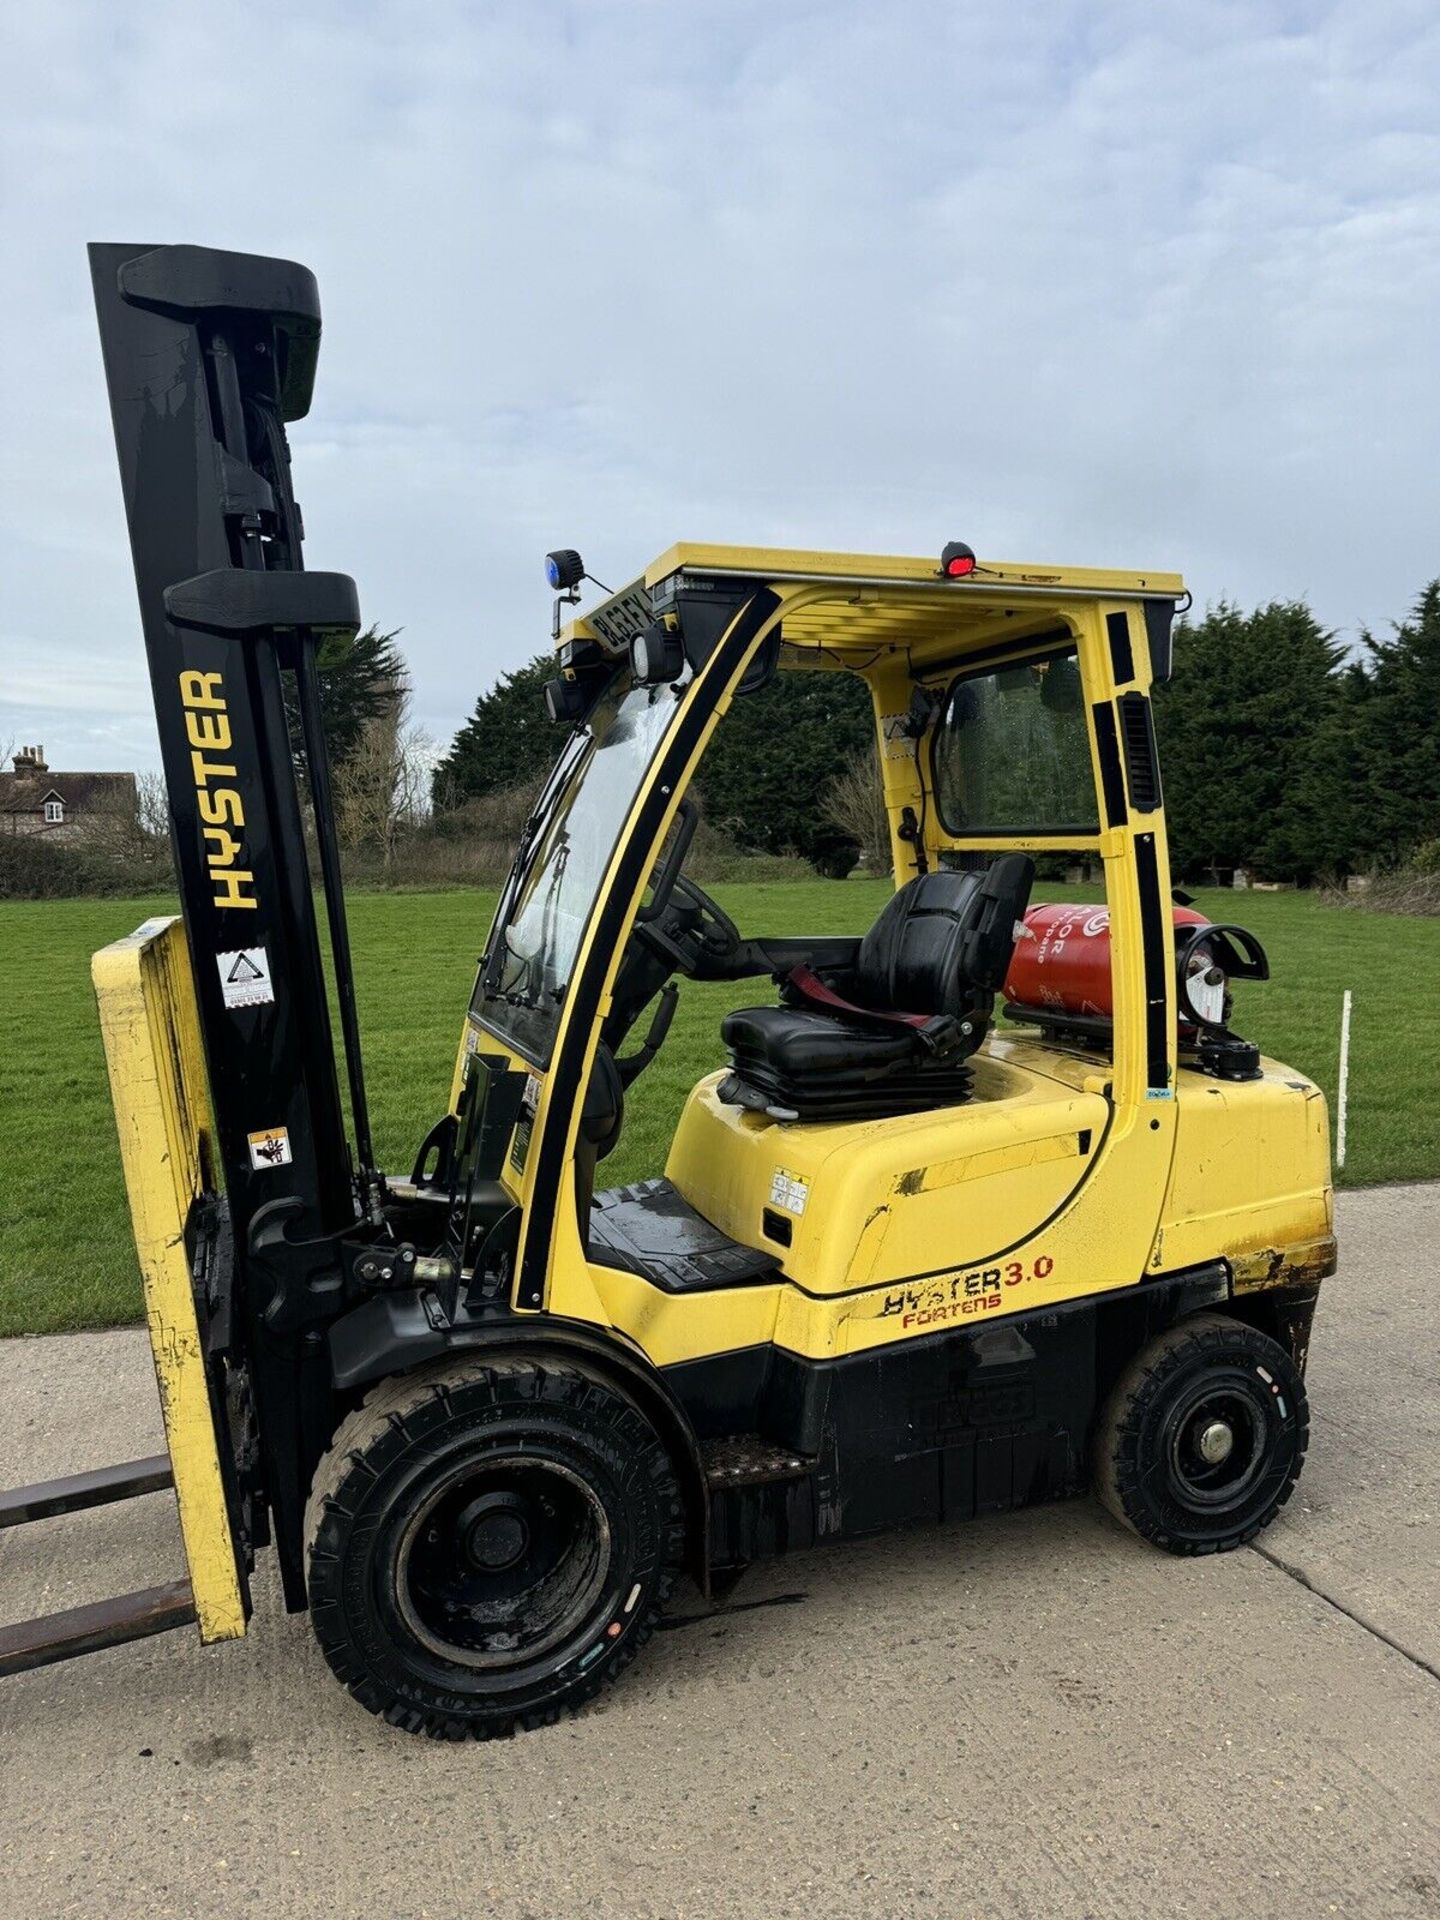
[[652, 1229]]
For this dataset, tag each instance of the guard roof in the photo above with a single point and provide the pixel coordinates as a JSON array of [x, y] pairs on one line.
[[852, 603]]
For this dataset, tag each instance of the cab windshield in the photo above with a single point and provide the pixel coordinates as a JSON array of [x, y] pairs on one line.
[[547, 904]]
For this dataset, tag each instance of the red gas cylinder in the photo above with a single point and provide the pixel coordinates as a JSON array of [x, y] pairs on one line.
[[1062, 959]]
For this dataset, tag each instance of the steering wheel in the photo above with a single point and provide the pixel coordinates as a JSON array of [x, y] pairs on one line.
[[682, 931], [691, 933]]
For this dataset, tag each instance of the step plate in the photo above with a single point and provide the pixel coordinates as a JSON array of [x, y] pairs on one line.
[[745, 1460]]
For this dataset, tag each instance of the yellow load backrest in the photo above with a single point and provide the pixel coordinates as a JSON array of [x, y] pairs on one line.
[[151, 1029]]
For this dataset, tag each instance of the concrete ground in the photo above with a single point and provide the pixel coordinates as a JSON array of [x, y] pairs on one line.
[[1034, 1715]]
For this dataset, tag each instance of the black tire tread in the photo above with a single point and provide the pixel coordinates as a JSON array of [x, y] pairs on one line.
[[395, 1402], [1195, 1335]]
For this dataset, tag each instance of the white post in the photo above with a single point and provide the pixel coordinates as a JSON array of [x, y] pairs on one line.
[[1344, 1080]]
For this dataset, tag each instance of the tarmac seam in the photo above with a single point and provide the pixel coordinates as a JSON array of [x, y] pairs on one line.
[[1303, 1579]]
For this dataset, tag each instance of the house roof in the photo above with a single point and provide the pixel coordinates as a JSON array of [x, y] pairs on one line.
[[81, 792]]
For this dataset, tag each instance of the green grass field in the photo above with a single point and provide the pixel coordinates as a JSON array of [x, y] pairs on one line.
[[66, 1259]]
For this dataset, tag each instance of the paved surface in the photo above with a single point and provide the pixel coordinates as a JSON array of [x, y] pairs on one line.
[[1034, 1715]]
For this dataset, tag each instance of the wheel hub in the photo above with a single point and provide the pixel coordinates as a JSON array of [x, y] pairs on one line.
[[1219, 1440], [504, 1560], [494, 1531], [1216, 1442]]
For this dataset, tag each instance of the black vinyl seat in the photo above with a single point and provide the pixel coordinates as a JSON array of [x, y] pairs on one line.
[[894, 1032]]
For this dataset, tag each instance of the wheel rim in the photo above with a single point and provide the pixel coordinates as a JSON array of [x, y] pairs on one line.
[[1218, 1443], [502, 1562]]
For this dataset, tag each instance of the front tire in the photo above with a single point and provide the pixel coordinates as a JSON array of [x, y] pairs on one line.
[[1203, 1438], [489, 1543]]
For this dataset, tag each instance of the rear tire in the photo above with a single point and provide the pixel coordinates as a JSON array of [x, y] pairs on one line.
[[1203, 1438], [489, 1543]]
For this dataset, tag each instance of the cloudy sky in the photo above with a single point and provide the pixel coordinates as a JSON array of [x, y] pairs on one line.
[[1147, 283]]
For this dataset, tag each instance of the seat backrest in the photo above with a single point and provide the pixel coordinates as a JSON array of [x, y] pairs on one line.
[[943, 939]]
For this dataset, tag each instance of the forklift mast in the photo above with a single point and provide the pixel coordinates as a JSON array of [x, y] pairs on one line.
[[207, 356]]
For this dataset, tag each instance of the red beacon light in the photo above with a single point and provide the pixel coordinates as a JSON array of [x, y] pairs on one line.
[[957, 561]]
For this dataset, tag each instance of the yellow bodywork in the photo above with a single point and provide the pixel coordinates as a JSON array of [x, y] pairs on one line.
[[1067, 1175], [148, 1018]]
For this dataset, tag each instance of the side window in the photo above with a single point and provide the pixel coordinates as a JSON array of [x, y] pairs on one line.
[[1012, 751]]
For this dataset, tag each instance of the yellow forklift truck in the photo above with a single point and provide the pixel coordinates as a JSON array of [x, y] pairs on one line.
[[982, 1208]]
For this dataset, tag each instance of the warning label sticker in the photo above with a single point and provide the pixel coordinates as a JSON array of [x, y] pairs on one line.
[[895, 732], [788, 1190], [245, 977], [270, 1148]]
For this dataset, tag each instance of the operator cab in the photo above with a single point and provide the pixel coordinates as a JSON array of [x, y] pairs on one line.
[[1014, 739], [980, 681]]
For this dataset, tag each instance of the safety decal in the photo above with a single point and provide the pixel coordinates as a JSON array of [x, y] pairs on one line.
[[245, 977], [788, 1190], [270, 1148]]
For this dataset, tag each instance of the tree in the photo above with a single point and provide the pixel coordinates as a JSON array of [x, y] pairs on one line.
[[152, 807], [134, 828], [762, 781], [854, 802], [1252, 740], [1329, 817], [508, 741], [1397, 735], [776, 752], [382, 785], [361, 680]]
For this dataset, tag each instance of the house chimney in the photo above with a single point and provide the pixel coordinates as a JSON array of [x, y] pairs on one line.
[[31, 760]]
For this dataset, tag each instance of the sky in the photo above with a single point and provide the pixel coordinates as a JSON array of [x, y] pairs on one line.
[[1150, 285]]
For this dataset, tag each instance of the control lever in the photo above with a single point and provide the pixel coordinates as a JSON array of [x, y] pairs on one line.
[[635, 1064]]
